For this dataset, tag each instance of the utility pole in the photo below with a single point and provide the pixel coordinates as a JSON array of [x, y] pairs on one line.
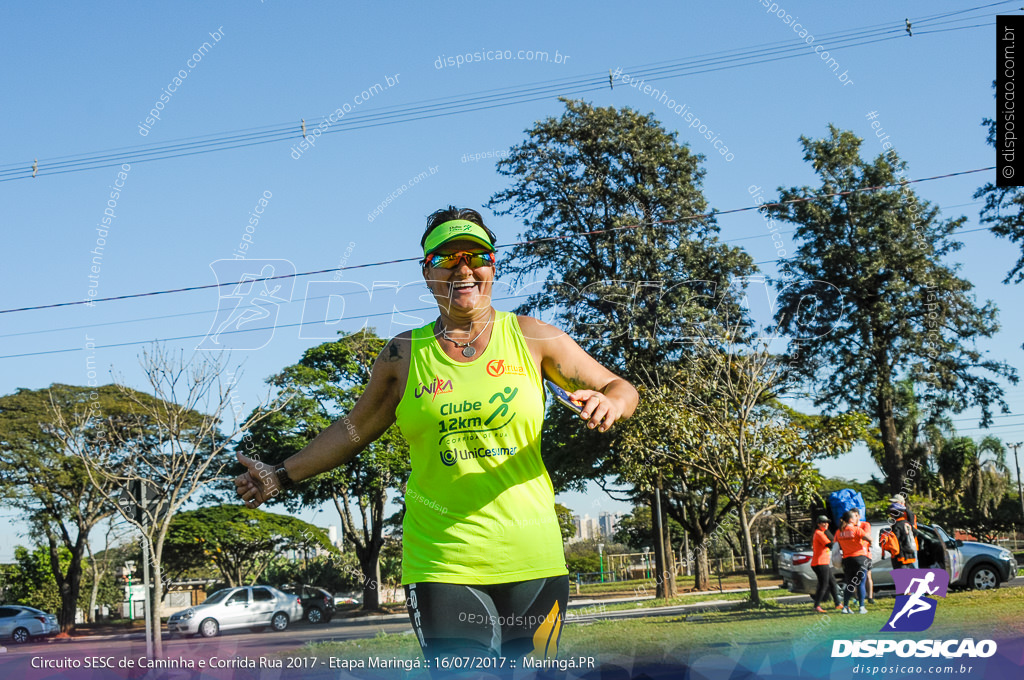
[[1016, 463]]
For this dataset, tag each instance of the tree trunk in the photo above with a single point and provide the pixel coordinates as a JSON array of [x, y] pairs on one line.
[[686, 551], [663, 549], [156, 597], [892, 455], [91, 615], [701, 572], [68, 583], [660, 572], [369, 562], [748, 549], [671, 585], [699, 558]]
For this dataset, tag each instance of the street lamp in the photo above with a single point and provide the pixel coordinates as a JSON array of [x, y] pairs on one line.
[[600, 551], [129, 567]]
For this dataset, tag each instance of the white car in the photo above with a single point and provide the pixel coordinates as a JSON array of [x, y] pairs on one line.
[[253, 607], [21, 624]]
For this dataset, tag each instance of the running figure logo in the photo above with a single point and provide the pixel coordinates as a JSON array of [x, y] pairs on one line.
[[248, 306], [914, 611]]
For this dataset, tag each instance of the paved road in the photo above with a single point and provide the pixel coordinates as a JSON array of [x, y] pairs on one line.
[[27, 662], [39, 660]]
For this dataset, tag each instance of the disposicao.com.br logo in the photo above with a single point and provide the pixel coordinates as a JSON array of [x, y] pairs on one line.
[[913, 612]]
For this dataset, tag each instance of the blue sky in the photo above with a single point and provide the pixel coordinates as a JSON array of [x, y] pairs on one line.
[[87, 76]]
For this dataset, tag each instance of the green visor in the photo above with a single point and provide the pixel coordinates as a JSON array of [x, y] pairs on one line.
[[456, 229]]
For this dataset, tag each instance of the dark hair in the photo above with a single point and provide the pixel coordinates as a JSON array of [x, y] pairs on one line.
[[847, 516], [452, 213]]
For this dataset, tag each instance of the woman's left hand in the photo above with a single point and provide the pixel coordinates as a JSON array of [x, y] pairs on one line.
[[599, 410]]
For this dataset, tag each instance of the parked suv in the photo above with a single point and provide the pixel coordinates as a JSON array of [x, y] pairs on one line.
[[937, 550], [985, 565], [253, 607], [317, 603]]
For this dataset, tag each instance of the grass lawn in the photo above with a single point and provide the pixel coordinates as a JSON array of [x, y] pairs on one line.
[[994, 614], [990, 614]]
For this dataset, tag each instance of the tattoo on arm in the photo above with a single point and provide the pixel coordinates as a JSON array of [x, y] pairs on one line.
[[574, 382], [393, 352]]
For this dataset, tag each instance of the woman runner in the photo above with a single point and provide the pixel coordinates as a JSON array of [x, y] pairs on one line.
[[483, 565]]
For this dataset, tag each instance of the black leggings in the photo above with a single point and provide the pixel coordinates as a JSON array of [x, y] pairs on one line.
[[826, 584], [855, 571], [511, 620]]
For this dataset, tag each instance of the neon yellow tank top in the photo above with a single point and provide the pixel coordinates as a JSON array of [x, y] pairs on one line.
[[479, 505]]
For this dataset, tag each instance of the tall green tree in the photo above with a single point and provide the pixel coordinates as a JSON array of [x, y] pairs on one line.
[[617, 235], [240, 542], [1004, 211], [42, 475], [885, 304], [30, 581], [566, 525], [620, 252], [974, 481], [921, 433], [322, 388]]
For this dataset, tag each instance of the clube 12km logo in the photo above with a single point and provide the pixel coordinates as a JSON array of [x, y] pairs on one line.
[[913, 612]]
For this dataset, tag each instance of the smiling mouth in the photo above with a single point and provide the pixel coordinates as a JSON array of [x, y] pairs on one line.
[[463, 285]]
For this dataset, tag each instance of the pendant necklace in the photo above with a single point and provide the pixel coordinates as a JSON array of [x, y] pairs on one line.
[[467, 347]]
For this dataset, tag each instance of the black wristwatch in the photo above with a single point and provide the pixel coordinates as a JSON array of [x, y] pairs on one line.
[[283, 480]]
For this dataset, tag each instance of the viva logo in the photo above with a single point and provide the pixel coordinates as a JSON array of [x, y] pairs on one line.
[[914, 611], [434, 388]]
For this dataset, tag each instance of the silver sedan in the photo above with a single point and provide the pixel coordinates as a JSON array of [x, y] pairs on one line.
[[21, 624], [252, 607]]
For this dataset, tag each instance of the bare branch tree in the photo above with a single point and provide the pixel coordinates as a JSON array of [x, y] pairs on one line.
[[728, 424], [113, 544], [175, 444]]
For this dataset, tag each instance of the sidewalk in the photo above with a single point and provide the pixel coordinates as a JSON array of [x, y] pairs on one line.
[[123, 633], [581, 602]]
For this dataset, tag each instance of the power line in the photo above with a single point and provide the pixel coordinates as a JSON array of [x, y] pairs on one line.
[[478, 101], [160, 317], [553, 238], [713, 213], [1006, 415], [203, 335]]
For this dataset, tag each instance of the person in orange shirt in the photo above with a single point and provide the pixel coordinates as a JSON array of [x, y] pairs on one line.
[[866, 528], [821, 564], [852, 540]]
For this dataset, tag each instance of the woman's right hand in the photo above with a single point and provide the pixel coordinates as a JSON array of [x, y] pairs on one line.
[[257, 484]]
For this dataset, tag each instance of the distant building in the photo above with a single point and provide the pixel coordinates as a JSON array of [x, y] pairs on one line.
[[578, 523], [588, 527]]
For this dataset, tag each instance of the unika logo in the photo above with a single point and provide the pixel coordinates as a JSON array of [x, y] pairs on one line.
[[914, 611], [434, 388]]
